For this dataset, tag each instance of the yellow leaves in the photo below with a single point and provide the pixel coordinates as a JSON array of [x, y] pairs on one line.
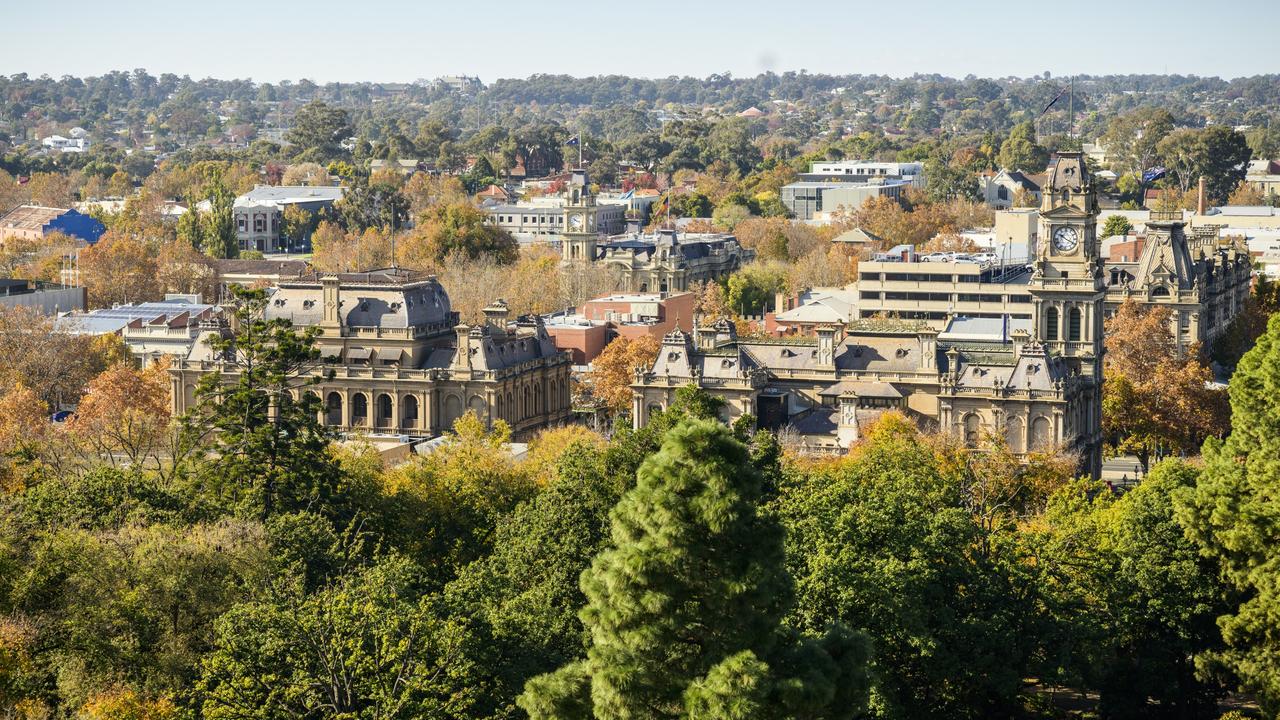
[[546, 450], [126, 704], [613, 371], [125, 411], [118, 269], [23, 418]]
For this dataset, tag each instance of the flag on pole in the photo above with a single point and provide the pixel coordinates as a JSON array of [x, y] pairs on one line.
[[1153, 174], [1052, 102], [573, 140]]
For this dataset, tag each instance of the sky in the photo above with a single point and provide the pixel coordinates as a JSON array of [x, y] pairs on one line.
[[381, 40]]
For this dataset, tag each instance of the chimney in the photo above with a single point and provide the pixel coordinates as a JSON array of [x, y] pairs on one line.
[[462, 356], [826, 346], [496, 314], [331, 298], [1200, 204]]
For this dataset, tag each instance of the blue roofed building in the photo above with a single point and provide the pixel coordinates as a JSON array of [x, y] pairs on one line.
[[35, 222]]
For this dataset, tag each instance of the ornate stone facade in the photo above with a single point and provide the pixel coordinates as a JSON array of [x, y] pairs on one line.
[[666, 261], [1203, 280], [396, 362], [1038, 386]]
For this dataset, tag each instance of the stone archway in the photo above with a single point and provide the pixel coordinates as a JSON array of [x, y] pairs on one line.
[[385, 411], [359, 410], [333, 409]]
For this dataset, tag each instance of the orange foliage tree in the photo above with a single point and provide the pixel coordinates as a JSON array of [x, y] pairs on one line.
[[1156, 397], [124, 416], [613, 371]]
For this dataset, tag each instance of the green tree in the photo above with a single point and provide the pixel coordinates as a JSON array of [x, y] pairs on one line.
[[366, 646], [1116, 225], [888, 541], [317, 132], [684, 610], [752, 289], [526, 592], [1131, 139], [1216, 153], [1021, 152], [218, 225], [1134, 598], [1233, 513], [374, 205], [267, 451]]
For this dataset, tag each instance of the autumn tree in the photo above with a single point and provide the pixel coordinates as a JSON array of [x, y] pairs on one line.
[[450, 228], [614, 369], [124, 415], [305, 173], [117, 270], [1156, 395], [180, 268], [53, 363]]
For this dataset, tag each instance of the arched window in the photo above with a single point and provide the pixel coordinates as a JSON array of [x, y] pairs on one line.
[[1041, 434], [1073, 324], [1051, 324], [972, 425], [359, 409], [384, 410], [410, 411], [333, 409], [1013, 434]]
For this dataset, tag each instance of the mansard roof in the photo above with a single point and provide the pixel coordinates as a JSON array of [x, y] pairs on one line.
[[1166, 259]]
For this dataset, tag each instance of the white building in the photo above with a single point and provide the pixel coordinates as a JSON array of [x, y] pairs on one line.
[[78, 142], [861, 171], [259, 213]]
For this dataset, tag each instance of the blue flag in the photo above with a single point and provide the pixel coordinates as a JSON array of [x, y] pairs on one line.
[[573, 140], [1153, 174]]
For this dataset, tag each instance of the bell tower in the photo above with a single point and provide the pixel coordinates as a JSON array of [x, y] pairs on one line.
[[1067, 283], [1068, 289], [578, 234]]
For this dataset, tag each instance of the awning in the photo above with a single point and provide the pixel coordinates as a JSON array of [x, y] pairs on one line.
[[356, 353]]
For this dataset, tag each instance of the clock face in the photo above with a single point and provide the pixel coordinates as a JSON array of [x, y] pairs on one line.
[[1065, 238], [575, 222]]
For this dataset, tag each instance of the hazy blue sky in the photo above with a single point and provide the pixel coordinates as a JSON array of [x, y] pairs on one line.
[[325, 40]]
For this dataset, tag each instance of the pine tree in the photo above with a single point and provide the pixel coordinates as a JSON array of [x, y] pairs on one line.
[[1234, 514], [684, 610], [269, 452]]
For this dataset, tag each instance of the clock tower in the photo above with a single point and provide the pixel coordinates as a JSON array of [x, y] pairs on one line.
[[1068, 288], [578, 234]]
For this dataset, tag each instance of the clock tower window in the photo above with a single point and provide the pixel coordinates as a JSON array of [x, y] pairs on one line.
[[1073, 324], [1051, 324]]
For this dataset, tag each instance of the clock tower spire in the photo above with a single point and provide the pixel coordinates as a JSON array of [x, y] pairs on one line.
[[578, 235], [1068, 288]]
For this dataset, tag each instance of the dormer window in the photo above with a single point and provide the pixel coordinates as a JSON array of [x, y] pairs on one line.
[[901, 353]]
